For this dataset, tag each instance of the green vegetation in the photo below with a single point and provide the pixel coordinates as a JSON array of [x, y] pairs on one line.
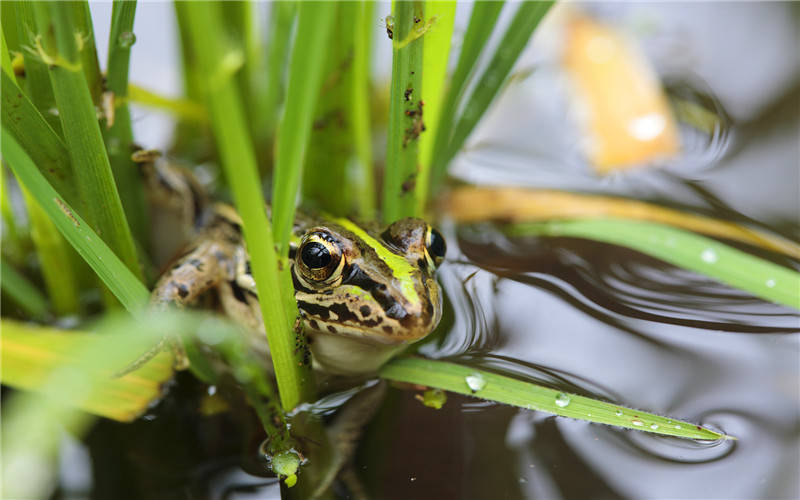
[[82, 183]]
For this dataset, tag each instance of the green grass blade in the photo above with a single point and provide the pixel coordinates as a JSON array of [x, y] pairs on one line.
[[95, 183], [54, 258], [21, 118], [491, 386], [281, 22], [22, 292], [183, 109], [683, 249], [228, 122], [363, 176], [306, 65], [525, 21], [434, 71], [37, 80], [119, 134], [116, 276], [405, 111], [481, 24], [90, 64]]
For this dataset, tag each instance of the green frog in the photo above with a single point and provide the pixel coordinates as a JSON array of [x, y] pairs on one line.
[[363, 294]]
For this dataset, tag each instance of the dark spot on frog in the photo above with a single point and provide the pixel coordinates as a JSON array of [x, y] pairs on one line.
[[238, 292], [331, 329], [313, 324], [183, 291], [388, 329], [365, 311], [196, 263]]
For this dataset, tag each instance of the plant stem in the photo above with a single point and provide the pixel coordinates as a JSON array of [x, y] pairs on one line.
[[405, 111]]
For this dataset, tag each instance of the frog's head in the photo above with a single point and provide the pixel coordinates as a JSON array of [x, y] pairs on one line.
[[363, 296]]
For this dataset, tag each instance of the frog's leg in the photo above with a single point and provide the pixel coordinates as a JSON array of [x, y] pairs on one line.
[[203, 268], [344, 434]]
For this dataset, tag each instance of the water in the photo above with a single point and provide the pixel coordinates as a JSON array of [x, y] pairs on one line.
[[578, 316]]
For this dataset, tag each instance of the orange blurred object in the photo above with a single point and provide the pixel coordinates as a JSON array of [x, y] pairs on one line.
[[623, 111]]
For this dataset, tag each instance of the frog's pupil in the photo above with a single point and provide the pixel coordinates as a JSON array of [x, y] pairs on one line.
[[315, 255], [437, 246]]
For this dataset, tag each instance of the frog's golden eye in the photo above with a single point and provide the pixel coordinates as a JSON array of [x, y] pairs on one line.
[[319, 258], [435, 246]]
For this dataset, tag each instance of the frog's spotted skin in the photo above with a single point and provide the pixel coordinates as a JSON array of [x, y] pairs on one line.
[[362, 295]]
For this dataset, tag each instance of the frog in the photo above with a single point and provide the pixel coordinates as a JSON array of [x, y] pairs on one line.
[[363, 293]]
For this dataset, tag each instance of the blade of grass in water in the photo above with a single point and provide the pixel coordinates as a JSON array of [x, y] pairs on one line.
[[481, 24], [295, 382], [434, 70], [491, 386], [119, 135], [683, 249], [116, 276], [307, 62], [507, 204], [405, 111], [95, 183], [22, 291]]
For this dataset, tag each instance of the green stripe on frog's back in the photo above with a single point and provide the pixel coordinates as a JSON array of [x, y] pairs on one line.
[[402, 270]]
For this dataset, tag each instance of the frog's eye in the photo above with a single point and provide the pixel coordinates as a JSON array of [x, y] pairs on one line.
[[319, 258], [435, 246]]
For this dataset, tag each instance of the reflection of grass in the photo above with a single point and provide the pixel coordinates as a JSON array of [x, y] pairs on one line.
[[67, 167]]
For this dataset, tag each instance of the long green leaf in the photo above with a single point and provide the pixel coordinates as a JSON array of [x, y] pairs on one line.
[[442, 15], [95, 183], [314, 24], [119, 134], [525, 21], [481, 24], [116, 276], [229, 124], [21, 118], [22, 291], [363, 176], [405, 111], [491, 386], [683, 249]]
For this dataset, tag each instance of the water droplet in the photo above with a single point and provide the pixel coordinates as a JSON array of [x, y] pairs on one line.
[[709, 256], [637, 422], [126, 39], [562, 400], [677, 426], [654, 426], [770, 283], [475, 382], [618, 413]]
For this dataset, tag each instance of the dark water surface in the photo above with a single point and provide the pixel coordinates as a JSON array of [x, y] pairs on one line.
[[581, 316]]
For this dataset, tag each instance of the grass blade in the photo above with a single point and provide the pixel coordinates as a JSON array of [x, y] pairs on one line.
[[21, 118], [314, 24], [442, 15], [119, 135], [683, 249], [183, 109], [32, 353], [481, 24], [116, 276], [405, 111], [363, 177], [525, 21], [22, 292], [491, 386], [506, 204], [95, 183], [238, 161]]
